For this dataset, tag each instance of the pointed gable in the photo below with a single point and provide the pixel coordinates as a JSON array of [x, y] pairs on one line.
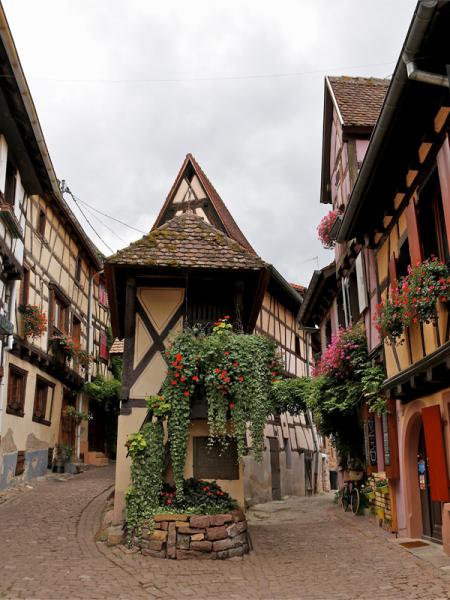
[[193, 189]]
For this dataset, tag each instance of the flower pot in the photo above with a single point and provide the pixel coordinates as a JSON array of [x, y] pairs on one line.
[[383, 489], [380, 513], [370, 495], [355, 475]]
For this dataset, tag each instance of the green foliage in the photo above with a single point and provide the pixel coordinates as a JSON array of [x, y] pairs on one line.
[[158, 406], [177, 390], [371, 381], [142, 498], [206, 496], [104, 391], [343, 379], [238, 373], [115, 360], [290, 395]]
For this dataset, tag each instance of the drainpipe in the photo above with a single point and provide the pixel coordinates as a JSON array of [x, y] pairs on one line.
[[7, 346], [317, 452], [424, 76]]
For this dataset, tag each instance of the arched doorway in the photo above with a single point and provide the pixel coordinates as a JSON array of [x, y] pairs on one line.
[[431, 510]]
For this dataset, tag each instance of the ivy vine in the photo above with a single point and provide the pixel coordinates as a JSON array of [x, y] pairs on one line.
[[147, 453]]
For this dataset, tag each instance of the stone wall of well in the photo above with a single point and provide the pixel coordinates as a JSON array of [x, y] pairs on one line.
[[181, 536]]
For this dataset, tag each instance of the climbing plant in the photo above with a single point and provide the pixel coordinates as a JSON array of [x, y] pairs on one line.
[[147, 453]]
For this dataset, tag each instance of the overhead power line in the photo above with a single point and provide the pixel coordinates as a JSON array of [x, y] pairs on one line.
[[66, 190], [181, 79], [110, 217]]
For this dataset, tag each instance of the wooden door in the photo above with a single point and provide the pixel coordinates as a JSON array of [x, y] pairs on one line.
[[275, 468], [431, 511]]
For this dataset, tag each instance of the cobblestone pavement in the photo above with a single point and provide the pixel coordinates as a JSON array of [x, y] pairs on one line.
[[304, 549]]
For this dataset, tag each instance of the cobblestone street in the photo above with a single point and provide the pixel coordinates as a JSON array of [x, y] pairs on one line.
[[304, 549]]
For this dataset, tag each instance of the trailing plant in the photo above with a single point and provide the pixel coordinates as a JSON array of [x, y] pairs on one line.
[[324, 229], [290, 395], [425, 284], [65, 344], [342, 380], [182, 375], [34, 320], [85, 358], [371, 381], [415, 300], [389, 317], [158, 406], [142, 498], [77, 415], [238, 371], [105, 392]]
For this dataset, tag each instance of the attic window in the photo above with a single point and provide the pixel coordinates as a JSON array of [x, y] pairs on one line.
[[41, 223], [10, 183], [215, 462], [78, 269]]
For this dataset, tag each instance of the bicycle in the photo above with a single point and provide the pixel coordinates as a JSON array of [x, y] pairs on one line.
[[350, 496]]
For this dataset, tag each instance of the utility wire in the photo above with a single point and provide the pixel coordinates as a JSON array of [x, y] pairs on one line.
[[109, 216], [105, 225], [65, 190], [203, 78]]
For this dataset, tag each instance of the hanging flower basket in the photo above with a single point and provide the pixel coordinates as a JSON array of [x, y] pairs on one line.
[[34, 321], [327, 229]]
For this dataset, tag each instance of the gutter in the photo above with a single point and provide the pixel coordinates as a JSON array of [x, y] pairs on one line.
[[424, 13]]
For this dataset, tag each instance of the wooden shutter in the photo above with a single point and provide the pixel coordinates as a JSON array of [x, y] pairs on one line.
[[393, 271], [443, 165], [390, 441], [437, 463], [361, 283], [104, 346], [413, 232]]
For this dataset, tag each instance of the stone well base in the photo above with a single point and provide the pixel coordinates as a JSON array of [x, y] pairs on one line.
[[180, 536]]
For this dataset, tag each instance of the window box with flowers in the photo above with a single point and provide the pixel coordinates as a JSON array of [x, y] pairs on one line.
[[63, 347], [34, 321], [416, 299], [328, 228], [85, 358]]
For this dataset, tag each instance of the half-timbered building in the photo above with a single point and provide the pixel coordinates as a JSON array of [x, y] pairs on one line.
[[196, 266], [47, 262], [399, 210]]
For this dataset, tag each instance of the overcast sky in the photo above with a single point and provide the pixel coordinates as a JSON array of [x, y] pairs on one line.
[[125, 89]]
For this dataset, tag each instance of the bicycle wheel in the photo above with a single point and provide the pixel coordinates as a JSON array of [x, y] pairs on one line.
[[355, 500], [345, 498]]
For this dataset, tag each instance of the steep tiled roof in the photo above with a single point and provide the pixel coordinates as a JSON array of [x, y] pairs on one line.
[[359, 99], [187, 241], [230, 225], [298, 288], [116, 347]]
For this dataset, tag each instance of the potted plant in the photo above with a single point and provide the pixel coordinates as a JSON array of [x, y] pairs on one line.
[[379, 511], [63, 454], [389, 317], [76, 415], [85, 358], [34, 321], [63, 345], [382, 486], [325, 229], [426, 283]]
